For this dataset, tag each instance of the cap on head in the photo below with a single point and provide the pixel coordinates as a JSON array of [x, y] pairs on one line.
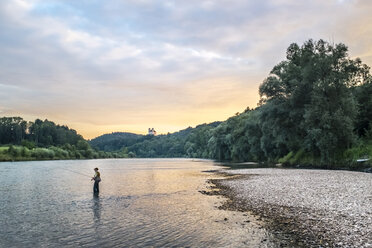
[[96, 168]]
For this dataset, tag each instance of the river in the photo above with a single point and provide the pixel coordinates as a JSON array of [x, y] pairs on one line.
[[142, 203]]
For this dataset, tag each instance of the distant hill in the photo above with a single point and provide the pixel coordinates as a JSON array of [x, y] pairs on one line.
[[115, 141], [164, 145]]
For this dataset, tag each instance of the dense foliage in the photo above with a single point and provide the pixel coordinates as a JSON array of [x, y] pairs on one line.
[[308, 103], [189, 142], [14, 130], [23, 140], [115, 141], [315, 109]]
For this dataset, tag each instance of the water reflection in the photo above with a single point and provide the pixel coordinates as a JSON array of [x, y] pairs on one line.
[[97, 205], [142, 203]]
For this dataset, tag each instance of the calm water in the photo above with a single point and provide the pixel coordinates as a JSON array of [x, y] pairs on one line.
[[142, 202]]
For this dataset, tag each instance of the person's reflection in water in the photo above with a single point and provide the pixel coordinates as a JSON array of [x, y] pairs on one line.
[[96, 209]]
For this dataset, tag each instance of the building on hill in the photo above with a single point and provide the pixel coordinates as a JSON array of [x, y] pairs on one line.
[[151, 131]]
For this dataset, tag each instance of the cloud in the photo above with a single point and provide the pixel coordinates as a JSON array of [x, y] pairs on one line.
[[128, 64]]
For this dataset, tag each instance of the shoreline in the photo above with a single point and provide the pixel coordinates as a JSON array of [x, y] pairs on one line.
[[295, 219], [362, 167]]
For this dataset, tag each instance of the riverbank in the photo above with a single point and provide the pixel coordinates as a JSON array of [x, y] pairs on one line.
[[304, 208], [13, 153]]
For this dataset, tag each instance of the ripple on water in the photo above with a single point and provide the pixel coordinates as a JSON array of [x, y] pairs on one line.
[[142, 203]]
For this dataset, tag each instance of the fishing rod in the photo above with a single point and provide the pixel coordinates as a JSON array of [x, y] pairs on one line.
[[77, 172]]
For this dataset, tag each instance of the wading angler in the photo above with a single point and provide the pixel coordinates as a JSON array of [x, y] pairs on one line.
[[97, 179]]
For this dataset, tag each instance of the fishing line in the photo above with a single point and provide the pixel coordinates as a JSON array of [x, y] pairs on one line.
[[77, 172]]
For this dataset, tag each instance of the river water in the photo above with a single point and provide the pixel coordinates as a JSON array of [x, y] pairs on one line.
[[142, 203]]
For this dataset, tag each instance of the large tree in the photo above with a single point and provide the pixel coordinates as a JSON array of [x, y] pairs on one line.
[[311, 88], [12, 130]]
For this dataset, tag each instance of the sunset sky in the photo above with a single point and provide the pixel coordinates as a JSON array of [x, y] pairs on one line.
[[116, 65]]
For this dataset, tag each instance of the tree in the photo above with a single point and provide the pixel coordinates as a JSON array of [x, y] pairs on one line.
[[311, 89], [12, 130], [362, 94]]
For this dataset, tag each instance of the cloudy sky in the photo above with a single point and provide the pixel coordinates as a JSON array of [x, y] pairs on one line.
[[126, 65]]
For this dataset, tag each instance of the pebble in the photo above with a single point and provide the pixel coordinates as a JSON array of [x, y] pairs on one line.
[[332, 206]]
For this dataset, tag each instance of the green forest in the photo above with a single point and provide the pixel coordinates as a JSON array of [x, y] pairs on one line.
[[315, 110], [44, 140], [190, 142]]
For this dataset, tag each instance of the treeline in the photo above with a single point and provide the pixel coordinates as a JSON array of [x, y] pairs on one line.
[[315, 109], [22, 140], [189, 142], [15, 130], [116, 141]]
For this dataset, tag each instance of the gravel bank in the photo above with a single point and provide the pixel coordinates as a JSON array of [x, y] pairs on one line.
[[311, 208]]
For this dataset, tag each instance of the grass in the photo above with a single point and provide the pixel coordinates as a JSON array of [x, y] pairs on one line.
[[4, 148], [22, 153], [344, 160]]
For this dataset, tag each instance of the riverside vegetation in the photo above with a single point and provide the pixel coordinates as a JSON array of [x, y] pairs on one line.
[[44, 140], [315, 109]]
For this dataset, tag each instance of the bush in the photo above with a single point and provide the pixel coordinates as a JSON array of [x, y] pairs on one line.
[[43, 153], [59, 152], [285, 160], [28, 144], [300, 158], [362, 151], [15, 151], [25, 152]]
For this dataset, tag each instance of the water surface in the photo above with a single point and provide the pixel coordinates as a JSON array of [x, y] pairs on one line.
[[142, 203]]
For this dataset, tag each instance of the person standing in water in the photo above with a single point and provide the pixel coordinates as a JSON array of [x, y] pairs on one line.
[[97, 179]]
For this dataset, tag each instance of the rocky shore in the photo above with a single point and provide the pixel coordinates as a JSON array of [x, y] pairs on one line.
[[304, 208]]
